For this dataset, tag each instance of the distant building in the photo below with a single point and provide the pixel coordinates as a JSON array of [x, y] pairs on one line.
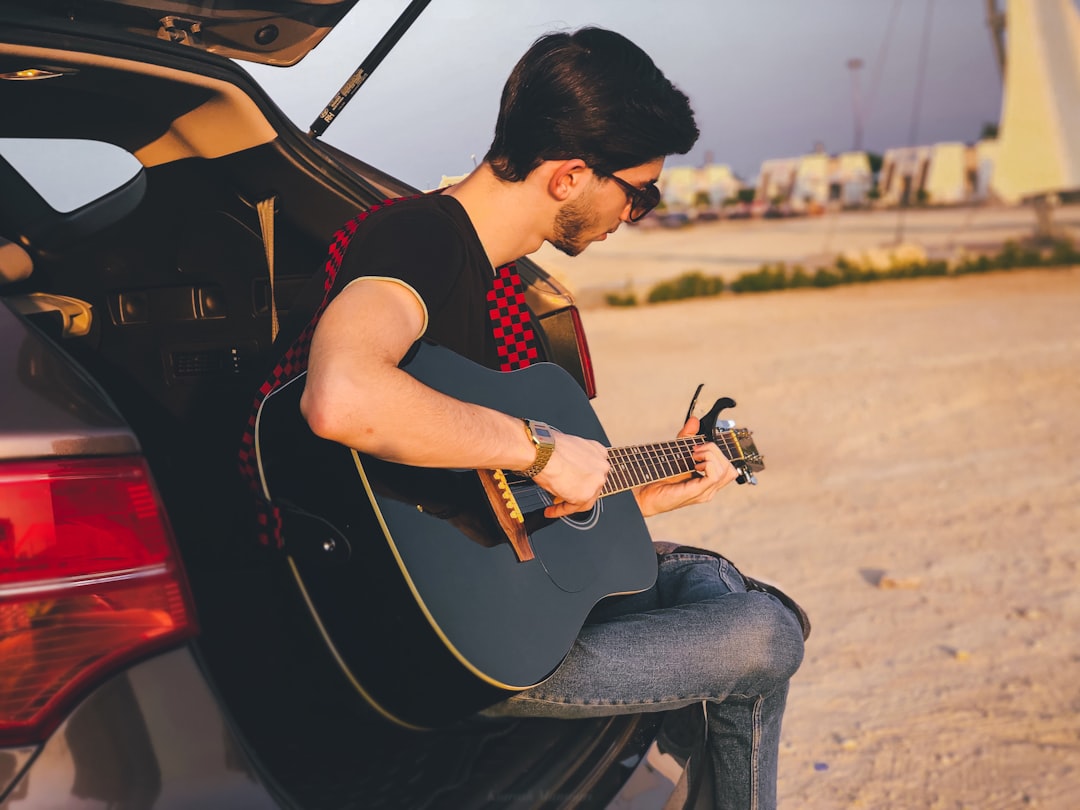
[[815, 180], [683, 187], [678, 187], [720, 182], [948, 173], [851, 178], [450, 180], [811, 185], [903, 174], [985, 160], [776, 180]]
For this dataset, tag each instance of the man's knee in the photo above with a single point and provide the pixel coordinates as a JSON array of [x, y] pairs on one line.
[[777, 638]]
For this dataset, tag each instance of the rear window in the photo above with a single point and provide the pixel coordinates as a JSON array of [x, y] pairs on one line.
[[69, 173]]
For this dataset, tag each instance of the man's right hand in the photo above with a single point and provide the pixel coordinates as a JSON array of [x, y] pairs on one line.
[[574, 475]]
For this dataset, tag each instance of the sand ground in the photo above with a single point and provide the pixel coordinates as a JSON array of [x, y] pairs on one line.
[[921, 499]]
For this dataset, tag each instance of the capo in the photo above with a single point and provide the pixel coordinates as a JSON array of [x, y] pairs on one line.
[[693, 403], [711, 422]]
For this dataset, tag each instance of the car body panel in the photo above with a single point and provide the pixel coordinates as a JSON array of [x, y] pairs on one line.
[[50, 408], [152, 736]]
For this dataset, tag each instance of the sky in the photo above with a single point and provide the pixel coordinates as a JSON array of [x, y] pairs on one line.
[[766, 78]]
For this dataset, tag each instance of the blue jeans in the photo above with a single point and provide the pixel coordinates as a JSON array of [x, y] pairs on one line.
[[697, 635]]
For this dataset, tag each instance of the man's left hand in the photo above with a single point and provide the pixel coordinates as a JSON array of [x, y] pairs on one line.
[[715, 472]]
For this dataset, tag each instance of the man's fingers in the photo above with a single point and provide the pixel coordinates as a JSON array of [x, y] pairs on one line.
[[691, 428], [563, 509]]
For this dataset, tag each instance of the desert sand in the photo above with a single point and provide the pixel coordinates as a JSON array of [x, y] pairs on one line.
[[921, 499]]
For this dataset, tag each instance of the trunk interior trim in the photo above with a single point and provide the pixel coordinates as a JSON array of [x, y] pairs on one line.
[[229, 121]]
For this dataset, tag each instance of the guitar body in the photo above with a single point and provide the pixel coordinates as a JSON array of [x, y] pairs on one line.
[[426, 605]]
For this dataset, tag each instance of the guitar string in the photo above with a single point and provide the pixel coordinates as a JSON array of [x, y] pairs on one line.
[[660, 458], [664, 460]]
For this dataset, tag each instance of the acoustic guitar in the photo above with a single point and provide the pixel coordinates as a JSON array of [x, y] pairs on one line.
[[440, 592]]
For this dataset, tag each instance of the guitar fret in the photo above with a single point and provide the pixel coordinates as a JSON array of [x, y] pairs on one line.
[[630, 471], [729, 445], [637, 465], [633, 471], [637, 474], [618, 478], [655, 456], [647, 454], [660, 461]]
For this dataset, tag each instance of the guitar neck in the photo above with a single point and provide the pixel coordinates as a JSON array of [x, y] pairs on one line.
[[636, 465]]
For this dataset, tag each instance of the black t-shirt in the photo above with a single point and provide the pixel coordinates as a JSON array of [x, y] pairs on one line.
[[429, 243]]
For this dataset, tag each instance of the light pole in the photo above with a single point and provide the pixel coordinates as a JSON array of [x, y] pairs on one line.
[[854, 65]]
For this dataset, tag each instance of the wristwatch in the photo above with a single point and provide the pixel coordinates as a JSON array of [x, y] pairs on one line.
[[543, 437]]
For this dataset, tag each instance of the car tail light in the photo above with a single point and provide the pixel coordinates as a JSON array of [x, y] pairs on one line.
[[566, 346], [583, 353], [89, 581]]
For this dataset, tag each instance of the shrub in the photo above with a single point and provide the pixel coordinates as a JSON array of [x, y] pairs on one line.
[[621, 300], [799, 277], [767, 277], [694, 284], [907, 261], [826, 277], [1013, 255], [1062, 252], [974, 264]]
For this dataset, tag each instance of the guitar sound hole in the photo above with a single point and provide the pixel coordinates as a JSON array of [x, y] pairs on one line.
[[533, 500]]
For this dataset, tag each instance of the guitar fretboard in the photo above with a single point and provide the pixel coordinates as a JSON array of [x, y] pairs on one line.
[[635, 465]]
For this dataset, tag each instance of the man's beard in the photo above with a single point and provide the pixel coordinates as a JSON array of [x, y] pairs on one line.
[[573, 219]]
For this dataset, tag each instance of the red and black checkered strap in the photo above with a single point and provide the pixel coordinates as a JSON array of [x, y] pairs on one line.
[[294, 361], [511, 321]]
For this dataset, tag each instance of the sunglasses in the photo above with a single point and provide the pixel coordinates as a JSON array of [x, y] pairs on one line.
[[642, 200]]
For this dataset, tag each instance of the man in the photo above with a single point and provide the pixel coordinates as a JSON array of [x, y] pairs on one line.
[[585, 123]]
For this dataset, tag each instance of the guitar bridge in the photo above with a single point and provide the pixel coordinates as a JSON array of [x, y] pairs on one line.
[[507, 512]]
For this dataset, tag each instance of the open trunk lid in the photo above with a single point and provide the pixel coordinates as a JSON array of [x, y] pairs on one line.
[[273, 32]]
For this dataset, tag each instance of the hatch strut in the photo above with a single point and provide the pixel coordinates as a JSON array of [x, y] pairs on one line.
[[367, 67]]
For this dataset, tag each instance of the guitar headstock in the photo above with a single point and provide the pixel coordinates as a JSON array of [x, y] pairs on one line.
[[736, 443]]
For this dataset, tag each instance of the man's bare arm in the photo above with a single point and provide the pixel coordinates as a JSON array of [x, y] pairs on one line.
[[358, 396]]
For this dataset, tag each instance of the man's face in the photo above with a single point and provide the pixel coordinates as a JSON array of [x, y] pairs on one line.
[[601, 207]]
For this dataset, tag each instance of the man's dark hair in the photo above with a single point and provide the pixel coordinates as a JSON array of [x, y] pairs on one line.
[[590, 94]]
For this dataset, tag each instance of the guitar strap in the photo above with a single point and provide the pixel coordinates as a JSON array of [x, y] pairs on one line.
[[511, 321], [512, 328]]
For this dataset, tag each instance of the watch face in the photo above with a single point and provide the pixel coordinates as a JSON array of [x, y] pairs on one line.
[[542, 432]]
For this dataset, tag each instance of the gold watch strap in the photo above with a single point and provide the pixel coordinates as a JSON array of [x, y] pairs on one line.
[[542, 436]]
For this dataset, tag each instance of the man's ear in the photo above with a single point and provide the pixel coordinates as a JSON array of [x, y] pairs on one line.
[[567, 177]]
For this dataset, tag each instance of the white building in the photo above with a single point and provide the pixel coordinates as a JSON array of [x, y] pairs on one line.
[[936, 174], [776, 180], [682, 186], [1039, 132], [816, 180]]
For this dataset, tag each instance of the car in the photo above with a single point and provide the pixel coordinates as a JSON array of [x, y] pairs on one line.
[[152, 652]]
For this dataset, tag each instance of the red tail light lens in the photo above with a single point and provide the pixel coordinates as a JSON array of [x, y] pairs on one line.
[[89, 581], [583, 353]]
